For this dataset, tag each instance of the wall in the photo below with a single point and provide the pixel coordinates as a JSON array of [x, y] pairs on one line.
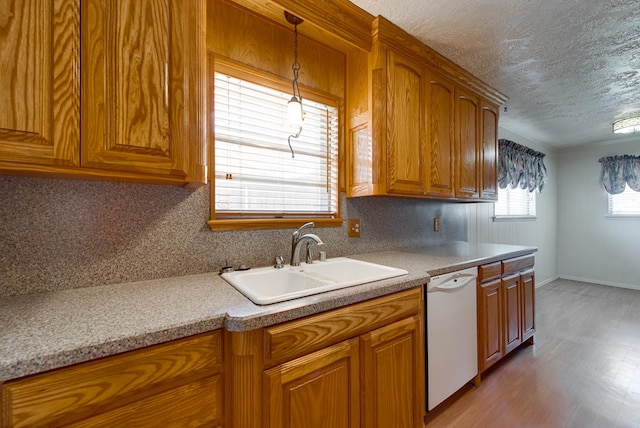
[[58, 234], [540, 232], [593, 248]]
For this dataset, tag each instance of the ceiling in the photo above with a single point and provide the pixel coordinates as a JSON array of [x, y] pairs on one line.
[[569, 67]]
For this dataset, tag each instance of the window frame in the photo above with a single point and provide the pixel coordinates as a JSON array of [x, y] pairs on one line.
[[625, 215], [217, 220], [516, 216]]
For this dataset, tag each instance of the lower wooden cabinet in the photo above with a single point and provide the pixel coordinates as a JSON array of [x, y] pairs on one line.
[[359, 365], [506, 308], [175, 384], [318, 390]]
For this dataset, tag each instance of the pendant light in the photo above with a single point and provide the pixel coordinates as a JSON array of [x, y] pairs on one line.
[[295, 113]]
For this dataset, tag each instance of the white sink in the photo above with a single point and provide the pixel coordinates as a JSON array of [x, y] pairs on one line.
[[268, 285]]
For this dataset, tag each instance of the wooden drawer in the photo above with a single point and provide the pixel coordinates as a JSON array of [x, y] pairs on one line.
[[289, 340], [517, 264], [71, 394], [489, 271]]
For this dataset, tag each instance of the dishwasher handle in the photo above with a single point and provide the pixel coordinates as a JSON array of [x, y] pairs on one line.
[[453, 283]]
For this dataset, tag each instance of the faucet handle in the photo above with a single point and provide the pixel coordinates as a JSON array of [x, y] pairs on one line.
[[279, 262]]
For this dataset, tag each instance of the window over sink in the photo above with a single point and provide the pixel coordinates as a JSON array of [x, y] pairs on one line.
[[258, 182]]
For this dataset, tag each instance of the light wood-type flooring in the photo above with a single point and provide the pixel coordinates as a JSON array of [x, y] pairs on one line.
[[583, 370]]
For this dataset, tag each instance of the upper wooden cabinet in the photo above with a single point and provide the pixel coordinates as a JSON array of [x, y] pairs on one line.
[[432, 129], [143, 88], [403, 128], [467, 141], [489, 151], [39, 83], [441, 136], [142, 70]]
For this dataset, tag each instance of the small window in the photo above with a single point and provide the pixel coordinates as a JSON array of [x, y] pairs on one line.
[[515, 203], [257, 181], [624, 204]]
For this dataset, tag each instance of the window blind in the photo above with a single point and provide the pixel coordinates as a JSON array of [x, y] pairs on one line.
[[515, 203], [626, 203], [255, 174]]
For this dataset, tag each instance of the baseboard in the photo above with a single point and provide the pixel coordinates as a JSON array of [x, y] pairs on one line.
[[600, 282], [546, 281]]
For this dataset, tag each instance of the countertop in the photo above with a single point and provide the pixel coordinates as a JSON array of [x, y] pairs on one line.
[[39, 332]]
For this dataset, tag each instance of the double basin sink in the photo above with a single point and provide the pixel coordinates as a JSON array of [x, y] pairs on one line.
[[268, 285]]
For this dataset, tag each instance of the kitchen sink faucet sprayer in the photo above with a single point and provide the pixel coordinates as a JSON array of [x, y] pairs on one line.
[[297, 240]]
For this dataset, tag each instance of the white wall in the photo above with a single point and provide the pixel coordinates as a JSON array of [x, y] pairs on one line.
[[540, 232], [591, 247]]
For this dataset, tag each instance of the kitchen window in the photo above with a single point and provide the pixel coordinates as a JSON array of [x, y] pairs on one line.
[[515, 204], [625, 204], [258, 181]]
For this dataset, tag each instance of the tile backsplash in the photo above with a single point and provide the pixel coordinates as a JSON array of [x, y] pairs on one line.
[[57, 234]]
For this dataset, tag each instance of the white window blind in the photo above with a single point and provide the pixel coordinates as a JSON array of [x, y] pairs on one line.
[[515, 203], [626, 203], [255, 174]]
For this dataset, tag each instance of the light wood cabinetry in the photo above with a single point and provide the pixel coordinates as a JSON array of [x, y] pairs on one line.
[[467, 141], [40, 85], [489, 151], [140, 114], [359, 365], [179, 383], [506, 311], [433, 126], [441, 136]]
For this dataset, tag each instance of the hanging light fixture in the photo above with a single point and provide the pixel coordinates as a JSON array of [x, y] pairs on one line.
[[627, 126], [295, 113]]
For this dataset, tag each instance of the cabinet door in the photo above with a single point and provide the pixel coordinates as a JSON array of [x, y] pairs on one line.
[[318, 390], [512, 312], [467, 144], [528, 303], [405, 126], [489, 153], [490, 348], [440, 136], [39, 106], [394, 375], [143, 92]]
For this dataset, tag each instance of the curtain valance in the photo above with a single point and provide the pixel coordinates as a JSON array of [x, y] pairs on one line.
[[618, 171], [520, 166]]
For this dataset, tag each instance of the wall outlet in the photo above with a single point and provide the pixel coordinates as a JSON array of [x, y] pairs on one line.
[[354, 227], [436, 224]]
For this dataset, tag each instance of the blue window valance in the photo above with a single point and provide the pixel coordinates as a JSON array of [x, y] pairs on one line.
[[520, 166], [618, 171]]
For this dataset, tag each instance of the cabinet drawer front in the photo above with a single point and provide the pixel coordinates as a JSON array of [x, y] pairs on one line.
[[73, 393], [517, 264], [489, 271], [289, 340]]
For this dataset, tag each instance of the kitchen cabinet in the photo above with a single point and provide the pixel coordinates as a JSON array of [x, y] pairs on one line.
[[359, 365], [467, 141], [40, 85], [108, 91], [441, 136], [433, 126], [506, 308], [178, 383], [489, 151]]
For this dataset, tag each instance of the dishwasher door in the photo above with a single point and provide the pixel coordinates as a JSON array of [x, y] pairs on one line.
[[452, 334]]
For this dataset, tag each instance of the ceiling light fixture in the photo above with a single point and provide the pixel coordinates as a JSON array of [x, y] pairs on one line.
[[295, 113], [627, 126]]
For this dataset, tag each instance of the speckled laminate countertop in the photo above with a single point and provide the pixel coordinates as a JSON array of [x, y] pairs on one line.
[[39, 332]]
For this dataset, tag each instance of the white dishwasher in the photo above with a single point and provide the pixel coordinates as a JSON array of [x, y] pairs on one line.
[[452, 342]]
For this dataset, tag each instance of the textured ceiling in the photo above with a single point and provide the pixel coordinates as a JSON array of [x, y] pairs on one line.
[[569, 67]]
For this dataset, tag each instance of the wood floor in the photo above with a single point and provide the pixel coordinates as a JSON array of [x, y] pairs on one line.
[[583, 370]]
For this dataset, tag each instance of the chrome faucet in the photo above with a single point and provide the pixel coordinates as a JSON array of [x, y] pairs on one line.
[[297, 240]]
